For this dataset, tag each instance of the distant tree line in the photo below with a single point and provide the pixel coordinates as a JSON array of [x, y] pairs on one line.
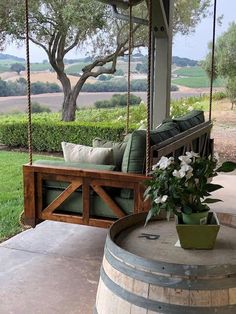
[[117, 100], [120, 85], [184, 62], [19, 88]]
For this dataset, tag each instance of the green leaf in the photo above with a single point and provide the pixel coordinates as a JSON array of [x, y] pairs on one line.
[[211, 200], [149, 216], [213, 187], [146, 192], [227, 166]]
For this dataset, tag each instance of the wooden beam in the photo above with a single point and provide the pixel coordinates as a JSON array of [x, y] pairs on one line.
[[109, 201], [63, 196]]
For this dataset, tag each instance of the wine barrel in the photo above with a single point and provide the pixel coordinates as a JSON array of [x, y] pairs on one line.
[[144, 271]]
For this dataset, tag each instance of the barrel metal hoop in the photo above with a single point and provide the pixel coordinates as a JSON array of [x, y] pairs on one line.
[[169, 281]]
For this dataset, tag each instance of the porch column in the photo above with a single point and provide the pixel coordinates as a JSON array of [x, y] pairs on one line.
[[162, 59]]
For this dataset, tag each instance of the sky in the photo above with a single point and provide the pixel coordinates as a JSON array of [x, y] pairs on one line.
[[193, 46]]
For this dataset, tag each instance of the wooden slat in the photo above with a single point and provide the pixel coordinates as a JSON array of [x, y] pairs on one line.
[[39, 194], [76, 219], [86, 201], [108, 200], [63, 196], [66, 172], [116, 184], [29, 197]]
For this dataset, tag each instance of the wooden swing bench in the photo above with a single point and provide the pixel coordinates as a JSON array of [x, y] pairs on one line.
[[97, 195]]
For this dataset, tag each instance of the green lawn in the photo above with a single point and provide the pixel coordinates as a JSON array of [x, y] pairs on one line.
[[11, 191]]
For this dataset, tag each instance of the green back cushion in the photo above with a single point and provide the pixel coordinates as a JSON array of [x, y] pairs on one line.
[[135, 151], [190, 120], [118, 149], [164, 132], [134, 155]]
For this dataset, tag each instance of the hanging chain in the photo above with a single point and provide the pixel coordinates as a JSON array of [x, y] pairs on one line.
[[148, 148], [129, 67], [212, 60], [28, 81]]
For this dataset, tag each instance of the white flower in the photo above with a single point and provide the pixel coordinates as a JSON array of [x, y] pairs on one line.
[[161, 199], [154, 167], [164, 162], [185, 160], [190, 108], [186, 168], [192, 154], [176, 174], [189, 174], [209, 180]]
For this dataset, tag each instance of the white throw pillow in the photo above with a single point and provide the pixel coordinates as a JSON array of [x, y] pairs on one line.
[[87, 154]]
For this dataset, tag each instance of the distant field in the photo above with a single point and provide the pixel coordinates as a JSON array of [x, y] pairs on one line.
[[75, 68], [40, 66], [45, 77], [5, 66], [197, 82], [191, 72]]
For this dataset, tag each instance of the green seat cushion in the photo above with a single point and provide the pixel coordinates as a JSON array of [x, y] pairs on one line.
[[190, 120], [118, 149], [134, 155], [164, 132], [61, 163]]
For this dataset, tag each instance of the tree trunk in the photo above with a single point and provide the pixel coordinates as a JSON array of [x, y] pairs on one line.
[[69, 107]]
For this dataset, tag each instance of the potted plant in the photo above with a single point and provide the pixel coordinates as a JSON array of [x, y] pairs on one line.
[[184, 187]]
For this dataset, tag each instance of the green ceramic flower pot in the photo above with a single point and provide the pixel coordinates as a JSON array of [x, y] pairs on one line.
[[198, 236], [195, 218]]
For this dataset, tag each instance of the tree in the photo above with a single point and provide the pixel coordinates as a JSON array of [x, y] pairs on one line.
[[231, 91], [225, 60], [58, 26], [17, 67]]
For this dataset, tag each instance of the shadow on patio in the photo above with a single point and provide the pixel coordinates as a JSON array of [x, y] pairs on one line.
[[54, 268]]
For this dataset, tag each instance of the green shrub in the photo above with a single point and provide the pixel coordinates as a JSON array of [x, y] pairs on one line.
[[37, 108], [118, 100], [47, 134], [219, 95]]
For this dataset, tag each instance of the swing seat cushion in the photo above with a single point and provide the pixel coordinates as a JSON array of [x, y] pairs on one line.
[[62, 163], [86, 154]]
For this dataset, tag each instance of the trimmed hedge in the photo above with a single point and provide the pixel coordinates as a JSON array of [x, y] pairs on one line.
[[47, 135]]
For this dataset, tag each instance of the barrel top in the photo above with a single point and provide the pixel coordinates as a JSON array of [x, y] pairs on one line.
[[157, 242]]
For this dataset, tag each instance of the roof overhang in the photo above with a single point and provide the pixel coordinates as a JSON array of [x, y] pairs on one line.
[[124, 4]]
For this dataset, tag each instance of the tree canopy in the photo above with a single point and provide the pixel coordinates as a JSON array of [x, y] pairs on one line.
[[225, 60], [58, 26]]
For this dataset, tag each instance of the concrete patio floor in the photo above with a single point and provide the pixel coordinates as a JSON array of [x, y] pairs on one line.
[[54, 268]]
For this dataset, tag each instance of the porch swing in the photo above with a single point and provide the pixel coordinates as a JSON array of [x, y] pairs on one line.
[[97, 195]]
